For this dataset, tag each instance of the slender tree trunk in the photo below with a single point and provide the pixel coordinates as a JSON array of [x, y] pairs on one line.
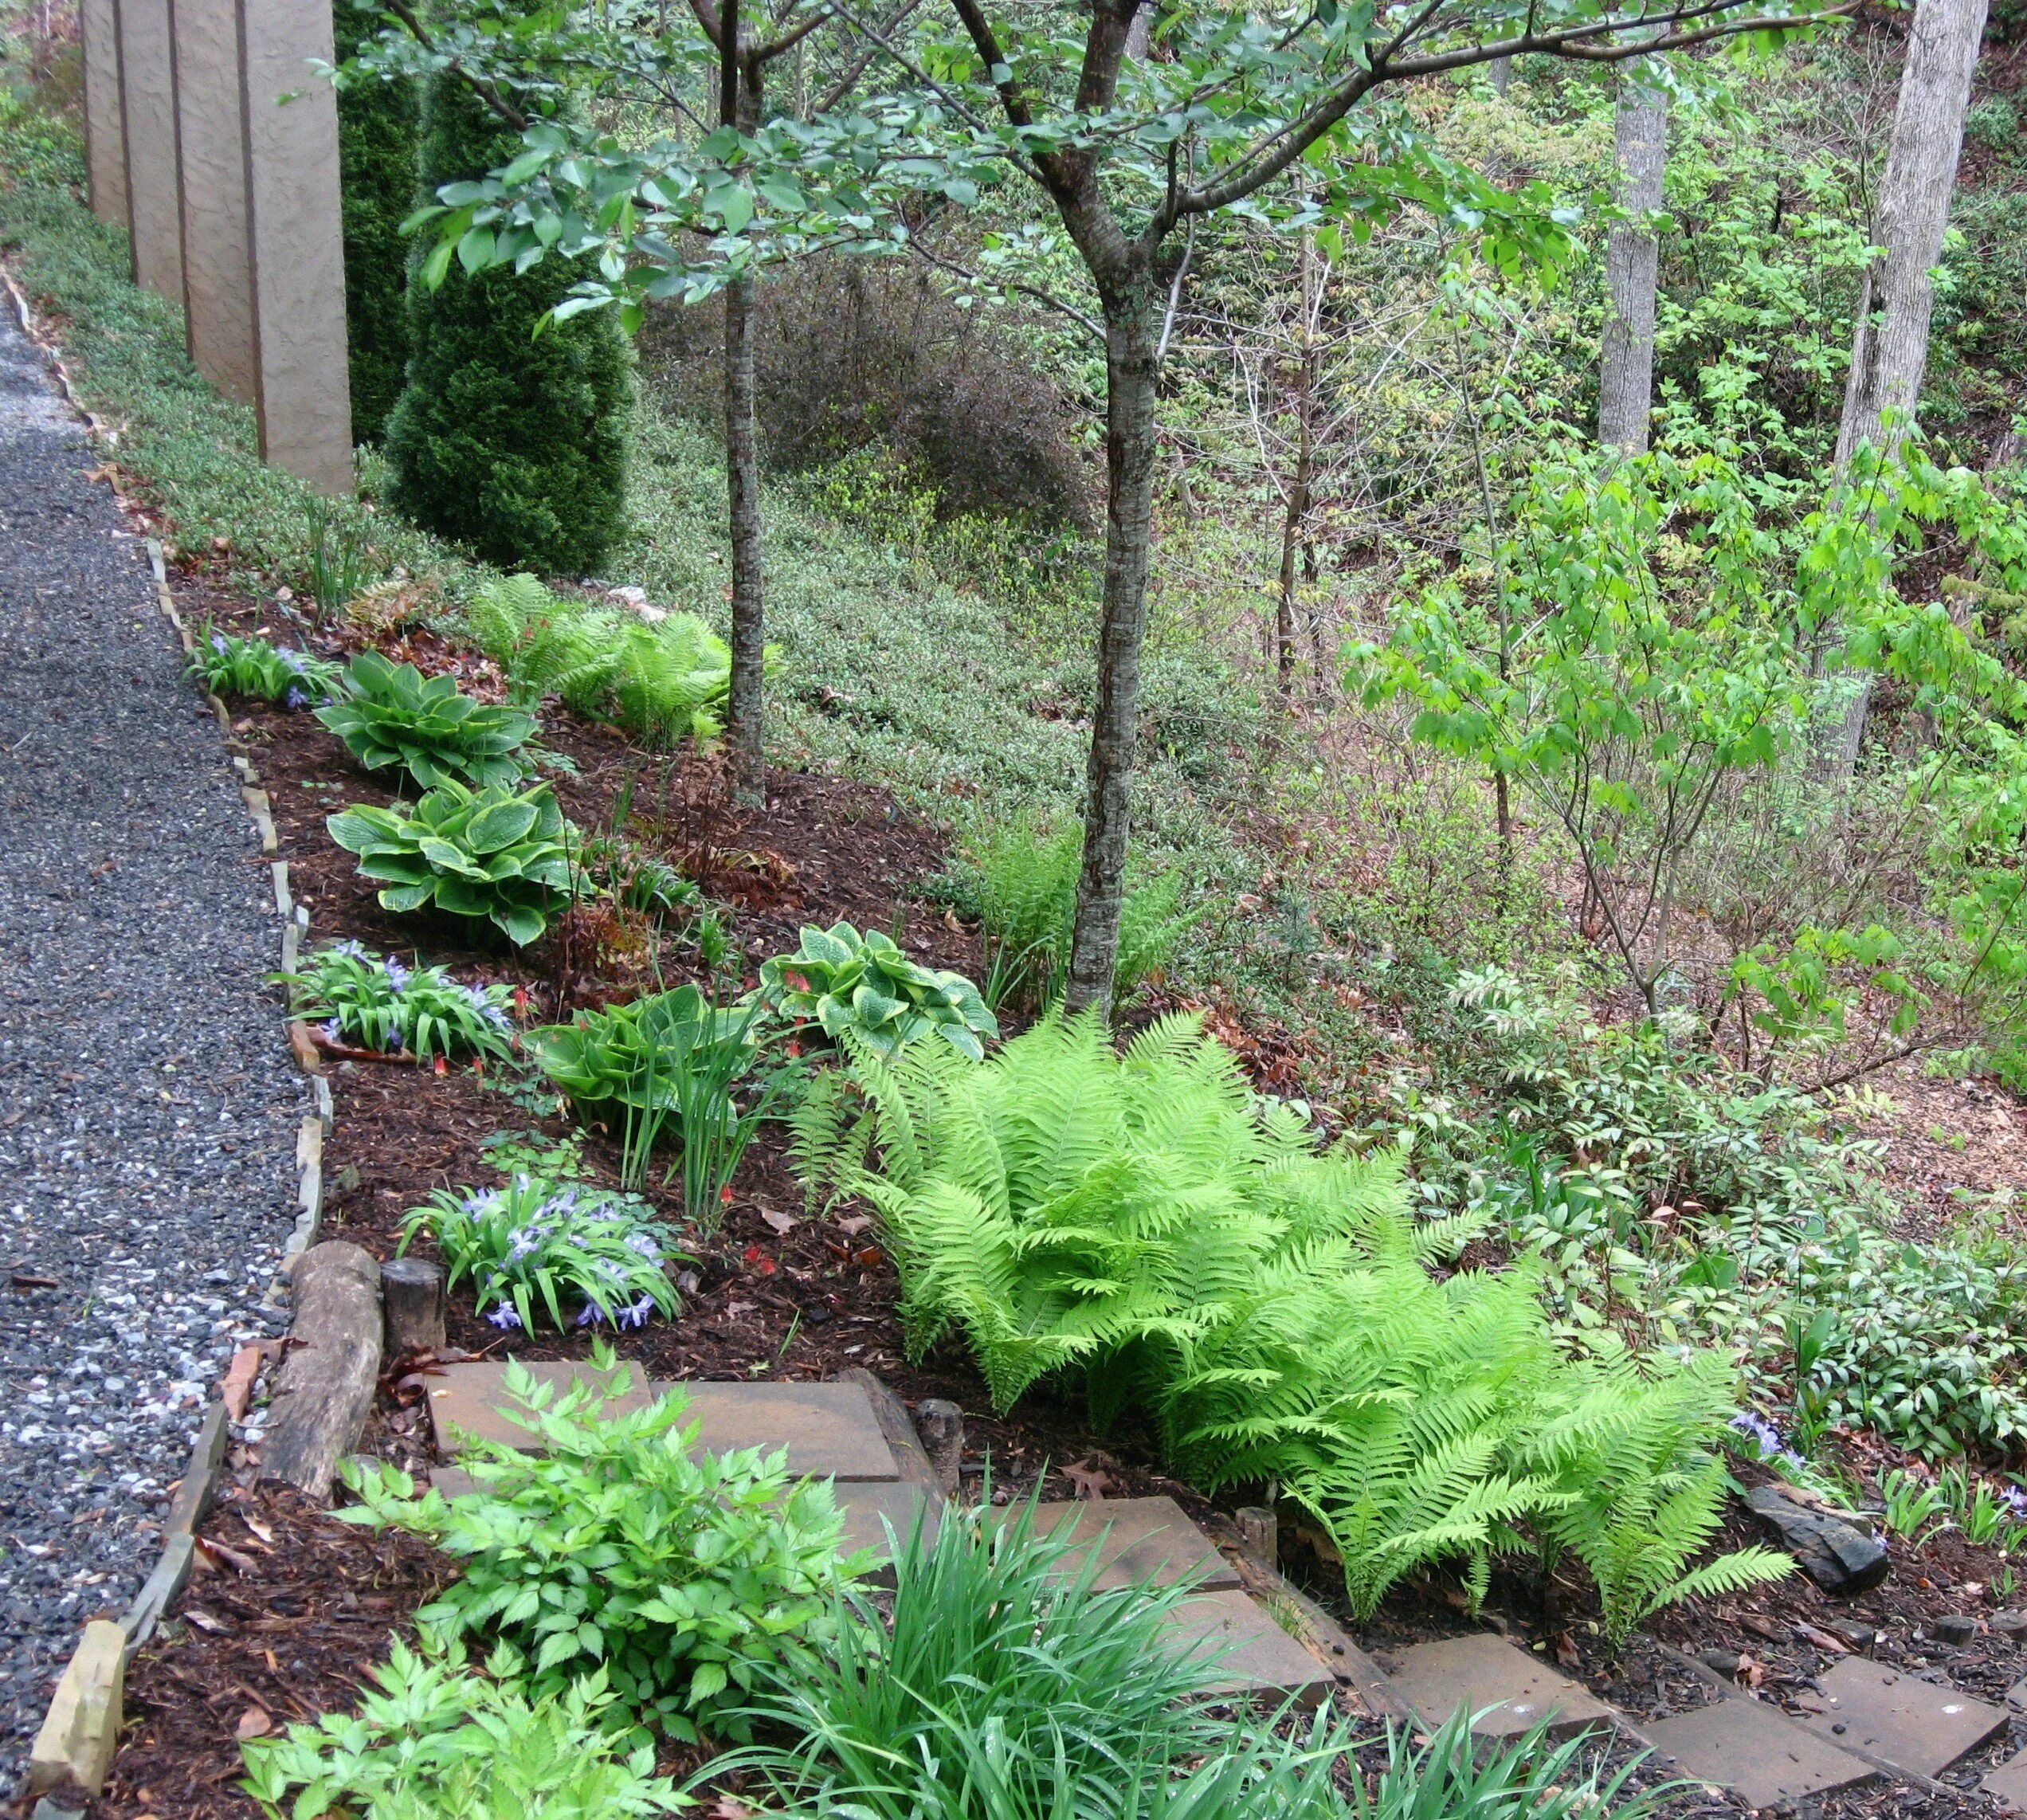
[[1501, 70], [1625, 377], [740, 102], [1890, 345], [1133, 318], [1297, 516]]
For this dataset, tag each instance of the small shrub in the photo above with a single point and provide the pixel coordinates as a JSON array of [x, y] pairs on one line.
[[510, 442], [473, 853], [676, 1057], [1992, 122], [228, 664], [664, 683], [376, 131], [379, 1004], [685, 1578], [843, 981], [538, 1242], [391, 714], [433, 1738]]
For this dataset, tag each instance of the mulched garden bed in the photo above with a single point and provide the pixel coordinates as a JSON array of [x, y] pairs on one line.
[[777, 1291]]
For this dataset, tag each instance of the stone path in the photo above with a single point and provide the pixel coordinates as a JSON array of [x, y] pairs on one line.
[[1868, 1721], [148, 1112]]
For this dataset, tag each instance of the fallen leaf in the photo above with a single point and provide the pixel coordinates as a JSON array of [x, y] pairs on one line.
[[24, 1280], [1752, 1673], [253, 1722], [204, 1621], [855, 1225], [1761, 1626], [1088, 1481], [1823, 1639], [1566, 1652], [782, 1223], [237, 1391], [212, 1553], [259, 1528]]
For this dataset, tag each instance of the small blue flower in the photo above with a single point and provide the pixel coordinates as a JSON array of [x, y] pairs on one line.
[[295, 698], [526, 1241], [1765, 1435], [352, 950], [218, 643], [398, 975], [505, 1316], [590, 1314], [635, 1314], [644, 1242], [332, 1031]]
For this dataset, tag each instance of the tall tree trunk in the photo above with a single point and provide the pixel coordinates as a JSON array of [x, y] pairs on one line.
[[1625, 375], [1500, 69], [1132, 320], [1296, 517], [1890, 344], [739, 104]]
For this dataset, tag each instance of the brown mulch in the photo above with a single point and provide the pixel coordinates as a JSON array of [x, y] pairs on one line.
[[281, 1628]]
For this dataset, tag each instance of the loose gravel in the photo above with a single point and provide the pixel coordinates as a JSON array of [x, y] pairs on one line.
[[148, 1113]]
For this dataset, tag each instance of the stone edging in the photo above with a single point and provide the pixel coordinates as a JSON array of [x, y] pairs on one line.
[[74, 1748]]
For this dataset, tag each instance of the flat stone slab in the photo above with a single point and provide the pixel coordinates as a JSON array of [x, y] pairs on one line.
[[1750, 1746], [829, 1430], [1486, 1671], [2009, 1782], [1255, 1655], [1146, 1541], [870, 1506], [1913, 1724]]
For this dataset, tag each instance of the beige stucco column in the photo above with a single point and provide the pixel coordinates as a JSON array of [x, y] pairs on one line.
[[210, 137], [148, 114], [105, 138], [295, 238]]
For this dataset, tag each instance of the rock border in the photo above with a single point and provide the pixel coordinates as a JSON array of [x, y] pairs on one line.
[[79, 1734]]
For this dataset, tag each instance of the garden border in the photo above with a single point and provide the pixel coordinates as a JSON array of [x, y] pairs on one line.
[[80, 1733]]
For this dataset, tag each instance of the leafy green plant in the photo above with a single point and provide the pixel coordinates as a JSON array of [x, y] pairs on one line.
[[1986, 1516], [538, 1242], [841, 980], [1004, 1683], [337, 553], [375, 1002], [1453, 1777], [391, 714], [664, 681], [1019, 878], [1142, 1224], [675, 1057], [1911, 1507], [487, 853], [432, 1737], [614, 1546], [227, 664]]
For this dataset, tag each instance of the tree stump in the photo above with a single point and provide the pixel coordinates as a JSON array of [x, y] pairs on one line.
[[413, 1291], [326, 1387], [941, 1425]]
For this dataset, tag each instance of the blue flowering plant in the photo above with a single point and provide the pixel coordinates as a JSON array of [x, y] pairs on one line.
[[540, 1248], [375, 1002], [228, 665]]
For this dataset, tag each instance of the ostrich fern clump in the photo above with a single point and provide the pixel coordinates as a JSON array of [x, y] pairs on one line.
[[1144, 1222]]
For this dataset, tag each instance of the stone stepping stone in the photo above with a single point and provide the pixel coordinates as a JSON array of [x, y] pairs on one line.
[[1258, 1657], [830, 1430], [870, 1506], [1474, 1673], [1913, 1724], [1144, 1541], [2009, 1782], [1750, 1746]]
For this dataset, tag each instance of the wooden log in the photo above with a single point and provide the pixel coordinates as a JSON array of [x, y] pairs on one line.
[[890, 1413], [412, 1290], [941, 1425], [327, 1384], [1260, 1535]]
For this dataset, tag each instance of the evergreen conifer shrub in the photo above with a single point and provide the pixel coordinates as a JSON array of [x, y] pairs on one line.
[[510, 443], [377, 126]]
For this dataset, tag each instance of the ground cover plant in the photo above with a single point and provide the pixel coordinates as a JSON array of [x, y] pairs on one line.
[[489, 854], [681, 1577], [372, 1002], [539, 1242], [431, 733], [229, 664], [842, 981]]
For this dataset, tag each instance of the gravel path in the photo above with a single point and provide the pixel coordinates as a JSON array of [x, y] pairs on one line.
[[148, 1111]]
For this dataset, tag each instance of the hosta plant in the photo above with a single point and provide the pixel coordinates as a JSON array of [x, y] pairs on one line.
[[840, 980], [537, 1246], [614, 1543], [229, 664], [433, 1737], [377, 1003], [488, 853], [391, 715]]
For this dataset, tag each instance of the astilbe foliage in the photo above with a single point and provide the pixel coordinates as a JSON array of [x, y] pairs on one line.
[[512, 442], [1140, 1222]]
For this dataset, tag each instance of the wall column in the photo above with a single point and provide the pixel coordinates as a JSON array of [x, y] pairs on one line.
[[105, 136], [295, 242], [217, 276], [148, 92]]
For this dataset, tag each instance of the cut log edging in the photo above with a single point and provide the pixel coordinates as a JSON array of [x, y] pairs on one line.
[[80, 1733]]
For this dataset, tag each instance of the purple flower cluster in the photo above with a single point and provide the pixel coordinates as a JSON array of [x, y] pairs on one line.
[[1767, 1436], [632, 1314]]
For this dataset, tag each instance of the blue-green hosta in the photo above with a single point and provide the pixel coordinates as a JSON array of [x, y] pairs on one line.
[[391, 715], [843, 981], [488, 853]]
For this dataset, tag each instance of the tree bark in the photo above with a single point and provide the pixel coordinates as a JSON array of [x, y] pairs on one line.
[[1501, 70], [1625, 377], [1132, 315], [739, 104], [1296, 517], [1890, 343]]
